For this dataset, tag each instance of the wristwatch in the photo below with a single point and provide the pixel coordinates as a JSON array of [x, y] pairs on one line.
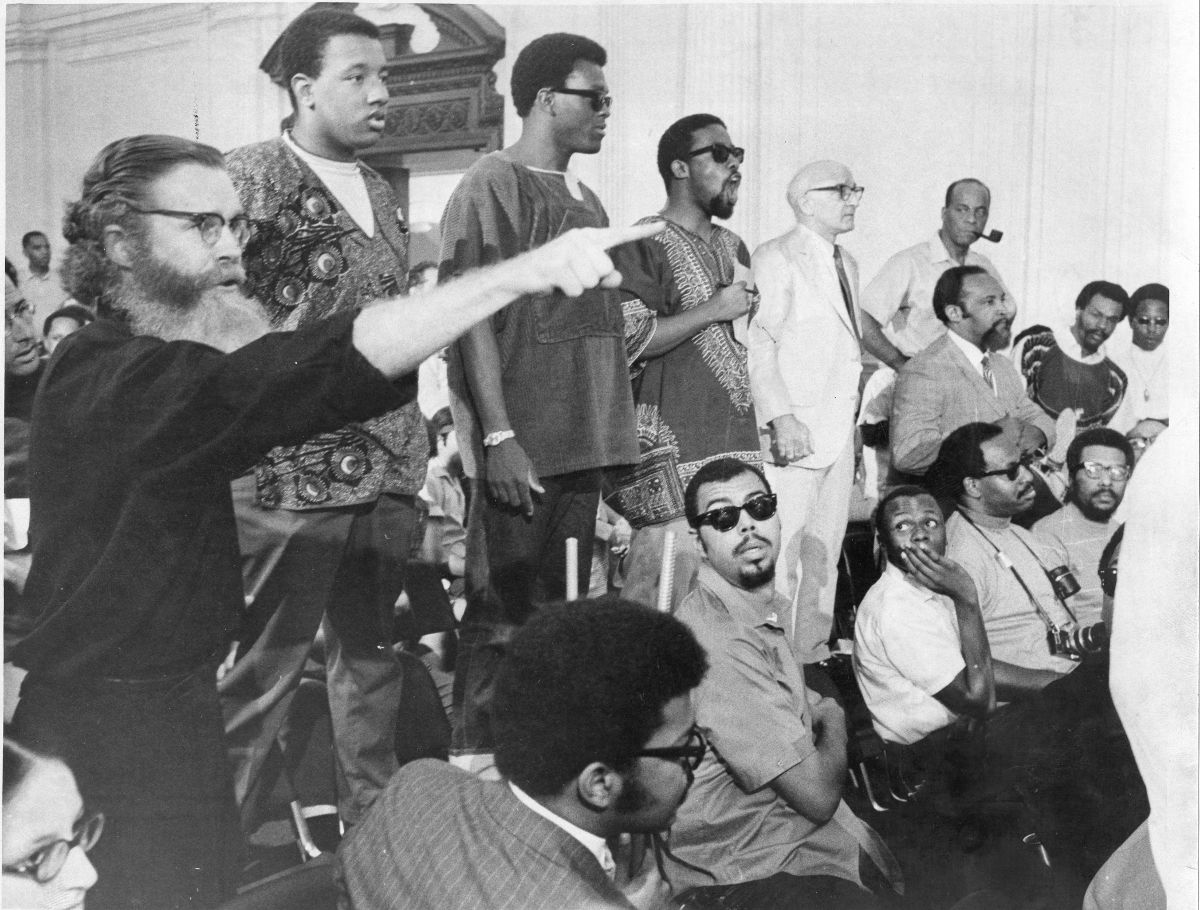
[[494, 439]]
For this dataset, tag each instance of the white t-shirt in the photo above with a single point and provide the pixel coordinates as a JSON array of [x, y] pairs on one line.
[[345, 181], [906, 648]]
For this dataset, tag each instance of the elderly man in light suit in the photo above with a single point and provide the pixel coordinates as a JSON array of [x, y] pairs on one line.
[[805, 361]]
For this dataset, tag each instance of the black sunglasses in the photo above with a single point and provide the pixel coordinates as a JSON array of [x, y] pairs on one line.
[[599, 100], [689, 755], [1012, 472], [725, 518], [720, 153]]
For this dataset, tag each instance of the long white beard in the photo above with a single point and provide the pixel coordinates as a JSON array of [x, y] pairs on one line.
[[223, 318]]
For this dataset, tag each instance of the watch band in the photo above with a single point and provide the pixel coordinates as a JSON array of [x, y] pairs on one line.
[[494, 439]]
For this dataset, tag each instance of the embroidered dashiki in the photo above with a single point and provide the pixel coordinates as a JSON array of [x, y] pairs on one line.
[[1056, 380], [693, 402], [308, 260]]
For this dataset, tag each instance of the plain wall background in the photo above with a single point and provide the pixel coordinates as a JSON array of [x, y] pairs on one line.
[[1081, 118]]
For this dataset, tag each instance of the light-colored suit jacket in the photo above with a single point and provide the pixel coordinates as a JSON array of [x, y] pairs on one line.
[[939, 390], [804, 354], [439, 838]]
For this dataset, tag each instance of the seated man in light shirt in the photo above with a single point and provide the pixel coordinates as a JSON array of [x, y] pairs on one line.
[[1099, 461], [898, 320], [766, 826], [921, 654]]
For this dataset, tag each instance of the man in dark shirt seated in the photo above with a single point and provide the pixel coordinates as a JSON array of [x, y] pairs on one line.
[[595, 736], [1069, 367], [143, 420]]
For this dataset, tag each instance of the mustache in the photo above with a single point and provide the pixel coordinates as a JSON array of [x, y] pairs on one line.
[[748, 541]]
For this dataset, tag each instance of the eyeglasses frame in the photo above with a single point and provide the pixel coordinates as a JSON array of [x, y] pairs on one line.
[[198, 220], [87, 833], [707, 518]]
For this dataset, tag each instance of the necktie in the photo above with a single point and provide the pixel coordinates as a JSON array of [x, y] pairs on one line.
[[988, 376], [846, 296]]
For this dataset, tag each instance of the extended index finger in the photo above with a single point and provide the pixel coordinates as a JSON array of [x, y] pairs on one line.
[[615, 236]]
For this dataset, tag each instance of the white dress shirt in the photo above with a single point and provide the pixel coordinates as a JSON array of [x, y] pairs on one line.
[[594, 842]]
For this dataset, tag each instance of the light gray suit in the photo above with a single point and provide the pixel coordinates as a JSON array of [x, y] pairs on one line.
[[939, 390]]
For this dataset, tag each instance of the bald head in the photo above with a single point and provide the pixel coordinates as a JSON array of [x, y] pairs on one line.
[[815, 195]]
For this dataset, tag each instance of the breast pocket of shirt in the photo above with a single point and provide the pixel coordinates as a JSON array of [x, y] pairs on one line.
[[596, 312]]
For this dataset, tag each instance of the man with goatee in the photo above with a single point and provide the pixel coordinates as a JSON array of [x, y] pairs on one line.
[[961, 377], [766, 825], [690, 383]]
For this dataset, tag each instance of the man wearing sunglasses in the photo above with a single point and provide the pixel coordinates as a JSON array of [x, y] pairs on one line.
[[981, 468], [962, 377], [1066, 744], [687, 287], [595, 738], [766, 825], [541, 396], [805, 360], [1099, 462]]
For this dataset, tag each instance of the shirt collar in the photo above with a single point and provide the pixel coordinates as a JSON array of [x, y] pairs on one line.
[[594, 842], [810, 236], [972, 353], [1069, 346], [763, 607], [938, 252]]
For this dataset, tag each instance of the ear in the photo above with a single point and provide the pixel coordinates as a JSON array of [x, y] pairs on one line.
[[954, 312], [697, 541], [971, 487], [119, 246], [302, 89], [679, 168], [598, 786], [545, 100]]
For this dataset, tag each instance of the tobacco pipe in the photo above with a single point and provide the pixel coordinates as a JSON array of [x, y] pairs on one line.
[[993, 236]]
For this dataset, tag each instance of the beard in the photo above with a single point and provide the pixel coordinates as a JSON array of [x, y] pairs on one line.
[[997, 337], [1094, 511], [755, 574], [165, 302], [721, 205]]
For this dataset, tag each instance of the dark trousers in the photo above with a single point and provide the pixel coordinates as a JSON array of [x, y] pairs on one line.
[[150, 756], [1066, 750], [339, 570], [513, 564]]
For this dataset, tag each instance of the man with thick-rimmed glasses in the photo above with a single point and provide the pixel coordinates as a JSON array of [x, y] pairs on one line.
[[1099, 462], [148, 416], [1087, 796], [595, 737], [541, 397], [766, 826], [688, 290], [805, 362]]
